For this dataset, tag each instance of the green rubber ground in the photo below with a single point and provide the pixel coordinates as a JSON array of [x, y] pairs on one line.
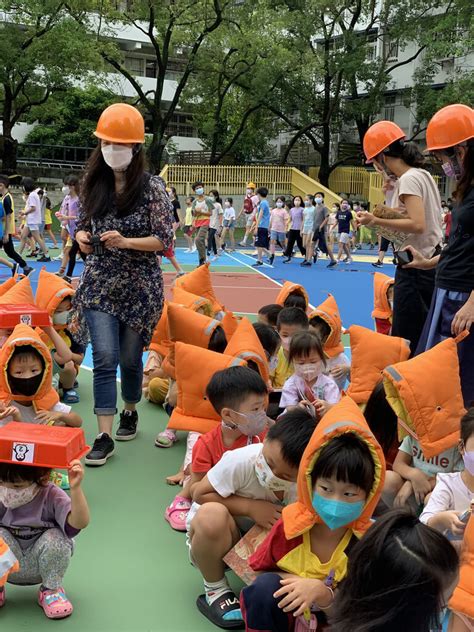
[[130, 571]]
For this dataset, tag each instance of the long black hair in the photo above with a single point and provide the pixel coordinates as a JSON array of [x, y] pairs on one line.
[[396, 577], [381, 418], [98, 187], [408, 152], [466, 181]]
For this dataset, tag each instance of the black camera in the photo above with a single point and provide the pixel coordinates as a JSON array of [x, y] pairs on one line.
[[98, 247]]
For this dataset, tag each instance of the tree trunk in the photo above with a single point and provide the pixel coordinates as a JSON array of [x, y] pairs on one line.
[[324, 168], [8, 147], [156, 150]]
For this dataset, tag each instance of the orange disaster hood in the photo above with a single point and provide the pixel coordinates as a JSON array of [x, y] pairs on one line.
[[291, 288], [344, 417], [329, 312], [51, 291], [382, 308], [246, 345], [199, 282], [19, 294], [45, 397]]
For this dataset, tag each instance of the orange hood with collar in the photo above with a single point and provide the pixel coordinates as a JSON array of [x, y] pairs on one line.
[[19, 294], [291, 288], [463, 597], [382, 284], [186, 326], [160, 340], [46, 397], [199, 282], [246, 345], [329, 312], [425, 393], [371, 353], [8, 284], [229, 323], [194, 369], [343, 417], [51, 291], [191, 301]]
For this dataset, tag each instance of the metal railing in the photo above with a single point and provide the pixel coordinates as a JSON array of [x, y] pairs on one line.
[[53, 156]]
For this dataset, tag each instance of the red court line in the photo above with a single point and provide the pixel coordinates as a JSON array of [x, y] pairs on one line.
[[238, 292]]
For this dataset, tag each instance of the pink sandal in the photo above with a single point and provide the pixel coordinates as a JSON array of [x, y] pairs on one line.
[[166, 438], [177, 513], [55, 603]]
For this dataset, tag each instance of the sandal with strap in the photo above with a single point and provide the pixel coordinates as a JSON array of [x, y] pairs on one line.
[[219, 608], [177, 513], [166, 439], [55, 603], [70, 396]]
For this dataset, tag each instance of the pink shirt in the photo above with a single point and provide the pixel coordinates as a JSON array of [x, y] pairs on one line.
[[324, 388], [279, 220]]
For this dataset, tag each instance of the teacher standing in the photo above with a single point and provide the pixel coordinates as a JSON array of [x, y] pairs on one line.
[[415, 215], [120, 296]]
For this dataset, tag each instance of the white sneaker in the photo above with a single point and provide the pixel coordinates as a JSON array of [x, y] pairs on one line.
[[214, 258], [243, 244], [58, 258], [187, 250], [193, 249], [349, 260]]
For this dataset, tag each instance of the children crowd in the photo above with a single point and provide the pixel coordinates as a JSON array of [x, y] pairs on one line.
[[338, 486]]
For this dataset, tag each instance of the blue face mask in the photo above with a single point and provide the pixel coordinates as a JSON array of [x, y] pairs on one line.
[[337, 513]]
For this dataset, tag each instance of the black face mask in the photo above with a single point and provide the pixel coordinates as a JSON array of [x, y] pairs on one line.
[[25, 386]]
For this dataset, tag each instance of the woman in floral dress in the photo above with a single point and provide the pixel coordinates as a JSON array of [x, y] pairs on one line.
[[125, 219]]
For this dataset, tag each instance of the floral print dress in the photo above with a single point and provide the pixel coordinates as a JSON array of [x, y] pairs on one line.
[[127, 284]]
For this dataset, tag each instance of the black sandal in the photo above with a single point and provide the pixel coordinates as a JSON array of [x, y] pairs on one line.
[[216, 611]]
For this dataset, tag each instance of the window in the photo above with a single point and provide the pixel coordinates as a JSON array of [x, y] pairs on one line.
[[134, 65], [391, 48], [150, 68], [181, 125], [389, 109]]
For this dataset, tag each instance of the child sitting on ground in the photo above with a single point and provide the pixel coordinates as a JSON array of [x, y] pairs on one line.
[[239, 395], [268, 314], [304, 558], [38, 521], [290, 321], [270, 341], [248, 486], [26, 384], [308, 381], [454, 492]]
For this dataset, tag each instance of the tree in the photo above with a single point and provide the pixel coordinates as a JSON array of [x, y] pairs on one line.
[[71, 118], [42, 52], [176, 31]]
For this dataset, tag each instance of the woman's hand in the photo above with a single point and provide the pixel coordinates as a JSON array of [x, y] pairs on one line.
[[365, 218], [464, 318], [83, 239], [299, 593], [419, 261], [113, 239]]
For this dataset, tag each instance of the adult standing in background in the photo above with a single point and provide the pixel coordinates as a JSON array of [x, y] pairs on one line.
[[450, 137], [416, 215], [125, 219]]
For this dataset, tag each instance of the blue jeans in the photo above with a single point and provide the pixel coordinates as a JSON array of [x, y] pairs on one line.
[[114, 343]]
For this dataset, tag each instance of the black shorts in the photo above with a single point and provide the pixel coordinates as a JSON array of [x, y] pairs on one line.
[[263, 238]]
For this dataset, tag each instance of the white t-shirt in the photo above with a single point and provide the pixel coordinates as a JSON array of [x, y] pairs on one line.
[[229, 213], [450, 494], [217, 211], [444, 463], [324, 388], [35, 216], [28, 413], [235, 474]]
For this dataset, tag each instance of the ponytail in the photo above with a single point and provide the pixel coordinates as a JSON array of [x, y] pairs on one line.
[[467, 179], [408, 152]]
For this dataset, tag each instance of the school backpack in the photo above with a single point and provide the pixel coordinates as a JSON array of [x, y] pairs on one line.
[[248, 205]]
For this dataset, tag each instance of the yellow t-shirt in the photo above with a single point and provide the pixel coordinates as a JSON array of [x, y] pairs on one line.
[[283, 371], [47, 216], [188, 218]]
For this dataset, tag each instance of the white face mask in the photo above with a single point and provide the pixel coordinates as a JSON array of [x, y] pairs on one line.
[[309, 371], [318, 200], [65, 190], [279, 204], [267, 478], [61, 318], [285, 343], [14, 498], [199, 191], [227, 204], [249, 191], [307, 202], [118, 157]]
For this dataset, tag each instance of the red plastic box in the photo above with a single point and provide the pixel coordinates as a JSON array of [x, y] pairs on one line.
[[43, 446], [12, 315]]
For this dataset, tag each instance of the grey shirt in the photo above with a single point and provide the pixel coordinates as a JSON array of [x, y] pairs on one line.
[[320, 214]]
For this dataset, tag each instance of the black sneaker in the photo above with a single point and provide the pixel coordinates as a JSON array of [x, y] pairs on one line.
[[102, 449], [127, 429], [258, 264], [27, 270], [44, 259], [272, 259], [332, 264], [378, 264]]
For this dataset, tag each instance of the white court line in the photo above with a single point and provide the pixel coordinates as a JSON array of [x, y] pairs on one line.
[[253, 269]]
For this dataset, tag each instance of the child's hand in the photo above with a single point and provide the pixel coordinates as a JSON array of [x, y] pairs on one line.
[[321, 406], [48, 417], [421, 485], [339, 371], [403, 495], [299, 594], [9, 411], [264, 513], [452, 523], [76, 474]]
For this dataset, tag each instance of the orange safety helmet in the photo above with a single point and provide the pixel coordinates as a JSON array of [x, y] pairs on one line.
[[379, 136], [450, 126], [121, 123]]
